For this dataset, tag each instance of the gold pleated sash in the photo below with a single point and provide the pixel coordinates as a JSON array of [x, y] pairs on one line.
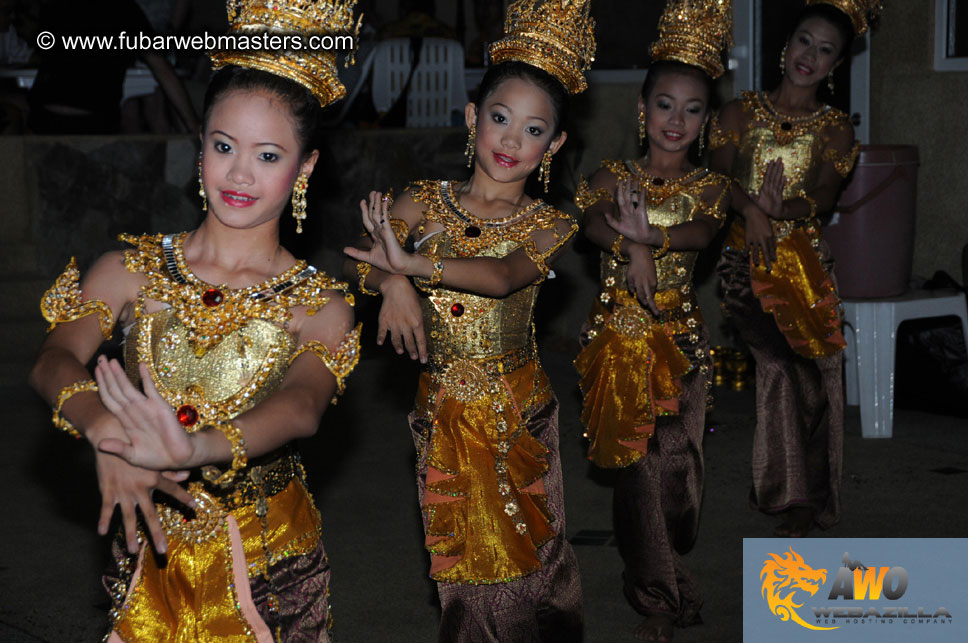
[[799, 293], [200, 591], [485, 505], [630, 375]]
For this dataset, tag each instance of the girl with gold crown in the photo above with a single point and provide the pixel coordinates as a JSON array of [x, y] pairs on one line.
[[645, 364], [233, 351], [788, 154], [485, 421]]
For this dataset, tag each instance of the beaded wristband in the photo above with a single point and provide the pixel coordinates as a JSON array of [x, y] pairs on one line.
[[438, 274], [67, 393], [233, 434], [617, 249], [811, 202], [658, 253], [363, 269]]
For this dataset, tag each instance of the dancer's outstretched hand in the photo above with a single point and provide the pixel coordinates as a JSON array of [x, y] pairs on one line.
[[156, 439], [633, 220], [386, 253]]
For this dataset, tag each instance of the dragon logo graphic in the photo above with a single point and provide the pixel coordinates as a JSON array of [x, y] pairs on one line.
[[782, 578]]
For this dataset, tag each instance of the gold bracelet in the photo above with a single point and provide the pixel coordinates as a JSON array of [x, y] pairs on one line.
[[812, 203], [240, 458], [363, 269], [617, 249], [438, 274], [67, 393], [658, 253]]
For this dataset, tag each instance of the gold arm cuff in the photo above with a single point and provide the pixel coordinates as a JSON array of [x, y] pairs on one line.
[[240, 456], [658, 253], [341, 362], [63, 302], [362, 270], [617, 249], [811, 202], [67, 393]]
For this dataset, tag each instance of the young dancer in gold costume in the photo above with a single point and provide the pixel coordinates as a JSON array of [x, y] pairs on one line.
[[645, 362], [485, 422], [788, 154], [233, 351]]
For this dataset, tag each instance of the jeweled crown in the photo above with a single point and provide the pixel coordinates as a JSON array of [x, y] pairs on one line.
[[696, 32], [557, 36], [313, 69], [861, 12]]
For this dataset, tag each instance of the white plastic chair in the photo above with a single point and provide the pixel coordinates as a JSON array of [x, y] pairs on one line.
[[869, 358], [437, 89]]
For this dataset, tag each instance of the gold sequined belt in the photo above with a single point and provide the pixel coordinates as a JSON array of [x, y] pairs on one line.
[[470, 379], [494, 366], [259, 481]]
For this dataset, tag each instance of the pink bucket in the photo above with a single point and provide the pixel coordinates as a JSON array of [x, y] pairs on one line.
[[871, 233]]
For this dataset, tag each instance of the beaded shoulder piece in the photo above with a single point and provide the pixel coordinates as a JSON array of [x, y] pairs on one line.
[[212, 312], [64, 302], [340, 362], [470, 235]]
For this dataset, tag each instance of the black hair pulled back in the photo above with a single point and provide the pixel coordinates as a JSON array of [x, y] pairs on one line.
[[304, 108], [556, 92]]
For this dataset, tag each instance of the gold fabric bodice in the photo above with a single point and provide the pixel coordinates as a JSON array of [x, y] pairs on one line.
[[466, 325], [217, 350], [670, 202]]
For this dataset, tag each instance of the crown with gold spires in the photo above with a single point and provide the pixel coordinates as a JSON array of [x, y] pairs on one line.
[[557, 36], [696, 32], [861, 12], [313, 69]]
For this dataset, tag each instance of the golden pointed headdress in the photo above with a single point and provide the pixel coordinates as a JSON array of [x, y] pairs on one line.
[[313, 69], [861, 12], [696, 32], [557, 36]]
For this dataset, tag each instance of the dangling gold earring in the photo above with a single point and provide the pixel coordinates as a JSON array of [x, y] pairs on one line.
[[471, 144], [702, 137], [783, 61], [544, 172], [830, 82], [641, 127], [201, 186], [299, 201]]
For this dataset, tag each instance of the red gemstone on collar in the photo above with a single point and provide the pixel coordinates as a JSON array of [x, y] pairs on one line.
[[658, 181], [212, 297], [187, 415], [457, 310], [786, 127], [472, 231]]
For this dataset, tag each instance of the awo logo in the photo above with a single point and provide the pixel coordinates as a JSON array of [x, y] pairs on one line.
[[783, 577]]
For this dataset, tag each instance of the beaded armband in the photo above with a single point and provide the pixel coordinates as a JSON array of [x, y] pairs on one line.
[[63, 302], [617, 249], [585, 198], [715, 209], [341, 362], [67, 393], [811, 202], [540, 258], [240, 457], [658, 253], [362, 270], [843, 164], [718, 137]]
